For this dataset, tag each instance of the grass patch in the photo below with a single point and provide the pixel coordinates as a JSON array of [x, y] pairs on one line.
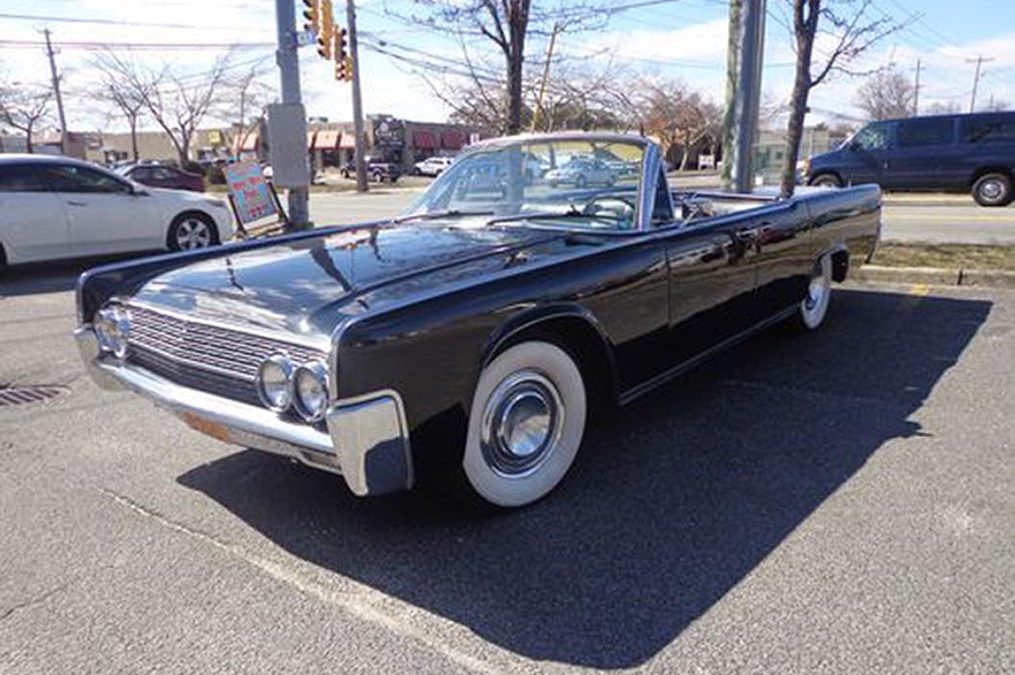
[[948, 256]]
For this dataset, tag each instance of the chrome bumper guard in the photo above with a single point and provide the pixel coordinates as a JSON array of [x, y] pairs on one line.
[[367, 439]]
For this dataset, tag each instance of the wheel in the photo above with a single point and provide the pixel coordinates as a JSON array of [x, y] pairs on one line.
[[191, 231], [813, 308], [3, 261], [526, 424], [345, 174], [826, 180], [378, 177], [580, 181], [992, 189]]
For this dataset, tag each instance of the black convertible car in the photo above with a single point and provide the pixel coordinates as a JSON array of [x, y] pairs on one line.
[[468, 341]]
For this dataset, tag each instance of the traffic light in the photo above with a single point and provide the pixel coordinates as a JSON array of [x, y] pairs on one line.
[[312, 16], [341, 44], [326, 32], [343, 69]]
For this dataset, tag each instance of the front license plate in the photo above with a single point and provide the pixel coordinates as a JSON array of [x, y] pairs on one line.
[[213, 429]]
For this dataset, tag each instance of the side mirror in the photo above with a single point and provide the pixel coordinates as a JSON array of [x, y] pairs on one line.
[[139, 192]]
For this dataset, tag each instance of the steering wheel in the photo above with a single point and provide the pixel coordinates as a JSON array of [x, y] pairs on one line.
[[597, 205]]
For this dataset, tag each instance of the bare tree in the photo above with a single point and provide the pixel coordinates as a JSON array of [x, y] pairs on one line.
[[245, 99], [939, 108], [886, 94], [852, 28], [679, 117], [124, 99], [177, 102], [505, 25], [24, 108]]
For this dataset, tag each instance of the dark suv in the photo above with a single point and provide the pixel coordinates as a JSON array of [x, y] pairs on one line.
[[378, 169], [944, 152]]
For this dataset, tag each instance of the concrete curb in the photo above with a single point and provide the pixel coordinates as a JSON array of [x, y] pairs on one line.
[[935, 276]]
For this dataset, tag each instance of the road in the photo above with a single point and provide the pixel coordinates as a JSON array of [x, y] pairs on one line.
[[906, 218], [837, 502]]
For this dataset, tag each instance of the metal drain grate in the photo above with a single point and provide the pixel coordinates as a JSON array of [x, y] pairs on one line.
[[23, 394]]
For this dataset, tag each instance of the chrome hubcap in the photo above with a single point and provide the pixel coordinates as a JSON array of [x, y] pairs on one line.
[[991, 189], [522, 423], [193, 233]]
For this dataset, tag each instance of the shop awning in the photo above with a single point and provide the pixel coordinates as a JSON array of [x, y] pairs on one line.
[[327, 139], [347, 141], [424, 140], [453, 140], [249, 142]]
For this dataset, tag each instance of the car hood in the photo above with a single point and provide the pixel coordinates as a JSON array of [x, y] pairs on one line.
[[307, 286]]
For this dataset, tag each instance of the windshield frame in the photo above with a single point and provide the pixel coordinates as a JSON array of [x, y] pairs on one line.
[[650, 163]]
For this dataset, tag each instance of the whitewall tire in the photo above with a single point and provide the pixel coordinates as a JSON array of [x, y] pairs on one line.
[[526, 424], [814, 306]]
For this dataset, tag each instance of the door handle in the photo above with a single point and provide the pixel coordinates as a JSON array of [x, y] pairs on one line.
[[73, 202]]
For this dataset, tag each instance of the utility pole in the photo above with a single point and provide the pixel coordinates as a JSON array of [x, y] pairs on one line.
[[357, 99], [979, 61], [289, 75], [916, 89], [546, 76], [56, 92], [743, 97]]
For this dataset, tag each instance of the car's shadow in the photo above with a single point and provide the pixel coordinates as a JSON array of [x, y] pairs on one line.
[[670, 506], [54, 276]]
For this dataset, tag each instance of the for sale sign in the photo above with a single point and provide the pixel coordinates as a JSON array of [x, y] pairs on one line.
[[249, 190]]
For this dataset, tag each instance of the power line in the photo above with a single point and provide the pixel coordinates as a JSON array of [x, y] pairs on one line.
[[112, 22], [136, 46]]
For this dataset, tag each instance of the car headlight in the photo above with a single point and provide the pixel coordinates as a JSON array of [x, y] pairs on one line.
[[310, 391], [275, 382], [112, 329]]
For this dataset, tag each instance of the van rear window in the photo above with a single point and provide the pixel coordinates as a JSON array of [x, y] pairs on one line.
[[988, 129], [930, 131]]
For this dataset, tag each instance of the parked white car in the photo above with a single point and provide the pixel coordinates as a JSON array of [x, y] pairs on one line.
[[56, 207], [432, 166]]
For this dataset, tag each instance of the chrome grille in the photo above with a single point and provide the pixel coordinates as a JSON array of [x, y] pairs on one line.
[[181, 350]]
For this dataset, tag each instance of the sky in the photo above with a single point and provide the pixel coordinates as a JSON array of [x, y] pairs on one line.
[[680, 39]]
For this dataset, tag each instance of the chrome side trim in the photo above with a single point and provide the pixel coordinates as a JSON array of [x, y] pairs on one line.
[[645, 387], [371, 438]]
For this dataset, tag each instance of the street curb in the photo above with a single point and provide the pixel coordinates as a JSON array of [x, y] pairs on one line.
[[935, 276]]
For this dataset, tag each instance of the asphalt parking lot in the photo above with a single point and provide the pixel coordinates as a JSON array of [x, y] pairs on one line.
[[838, 502]]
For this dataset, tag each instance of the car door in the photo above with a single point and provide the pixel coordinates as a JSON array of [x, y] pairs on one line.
[[104, 213], [712, 280], [712, 277], [923, 149], [34, 223]]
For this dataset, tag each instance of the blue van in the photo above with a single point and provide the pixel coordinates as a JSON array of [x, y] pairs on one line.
[[941, 152]]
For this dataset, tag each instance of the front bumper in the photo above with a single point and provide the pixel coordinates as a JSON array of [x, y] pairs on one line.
[[366, 439]]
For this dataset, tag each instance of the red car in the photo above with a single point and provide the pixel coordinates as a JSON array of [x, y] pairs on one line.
[[157, 175]]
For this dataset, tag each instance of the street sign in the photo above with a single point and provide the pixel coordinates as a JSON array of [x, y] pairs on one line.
[[251, 196]]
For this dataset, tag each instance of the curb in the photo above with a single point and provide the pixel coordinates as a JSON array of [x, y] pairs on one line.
[[935, 276]]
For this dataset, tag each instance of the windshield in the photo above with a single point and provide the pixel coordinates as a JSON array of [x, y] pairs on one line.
[[558, 183]]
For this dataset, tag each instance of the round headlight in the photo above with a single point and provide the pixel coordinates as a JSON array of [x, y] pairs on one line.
[[274, 382], [112, 328], [310, 390]]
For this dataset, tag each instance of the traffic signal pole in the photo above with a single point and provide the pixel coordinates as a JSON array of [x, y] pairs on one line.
[[289, 74], [357, 101]]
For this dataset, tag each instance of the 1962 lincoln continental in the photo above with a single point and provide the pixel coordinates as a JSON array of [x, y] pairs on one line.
[[468, 341]]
